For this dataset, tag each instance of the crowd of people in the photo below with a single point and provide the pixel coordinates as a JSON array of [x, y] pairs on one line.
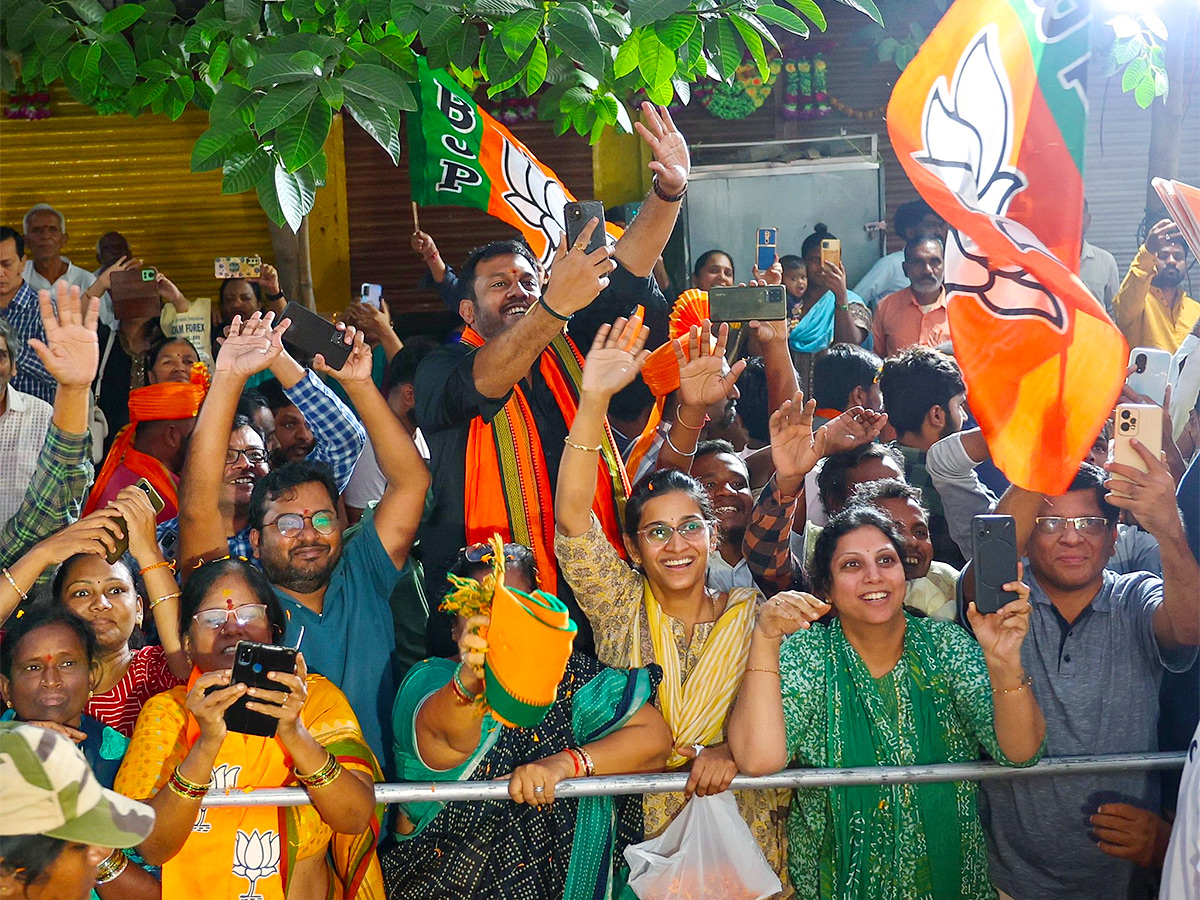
[[766, 562]]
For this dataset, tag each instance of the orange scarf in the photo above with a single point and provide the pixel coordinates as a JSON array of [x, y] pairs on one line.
[[508, 483], [153, 403]]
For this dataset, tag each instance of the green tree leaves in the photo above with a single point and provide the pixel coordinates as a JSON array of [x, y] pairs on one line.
[[272, 73]]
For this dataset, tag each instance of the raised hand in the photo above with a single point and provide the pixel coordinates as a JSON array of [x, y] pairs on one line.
[[97, 533], [104, 280], [788, 612], [357, 367], [169, 293], [773, 275], [579, 277], [616, 357], [770, 331], [855, 426], [704, 376], [795, 447], [268, 280], [672, 162], [833, 276], [1164, 231], [1149, 495], [373, 322], [251, 346], [423, 244], [71, 353], [134, 507], [1000, 634]]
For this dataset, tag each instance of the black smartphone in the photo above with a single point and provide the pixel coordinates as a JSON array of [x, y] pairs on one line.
[[994, 560], [746, 304], [310, 334], [578, 215], [123, 543], [251, 664]]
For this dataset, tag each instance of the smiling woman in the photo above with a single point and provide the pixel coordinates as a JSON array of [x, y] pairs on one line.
[[878, 687]]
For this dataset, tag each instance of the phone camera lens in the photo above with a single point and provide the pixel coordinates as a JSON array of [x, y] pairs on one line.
[[1124, 426], [1124, 414], [1140, 362], [983, 532]]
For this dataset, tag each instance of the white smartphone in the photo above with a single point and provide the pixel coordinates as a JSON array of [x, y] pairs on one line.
[[1136, 420], [1151, 370], [371, 293]]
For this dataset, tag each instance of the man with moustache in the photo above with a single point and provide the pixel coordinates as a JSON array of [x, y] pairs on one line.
[[916, 315], [1153, 309]]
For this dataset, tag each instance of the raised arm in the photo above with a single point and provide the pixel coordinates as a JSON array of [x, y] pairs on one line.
[[250, 348], [613, 362], [578, 278], [643, 241], [399, 511], [1130, 301], [777, 361], [1023, 506], [273, 300], [70, 354], [1151, 497]]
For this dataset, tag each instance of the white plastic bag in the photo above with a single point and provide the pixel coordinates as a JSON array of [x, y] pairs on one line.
[[708, 851]]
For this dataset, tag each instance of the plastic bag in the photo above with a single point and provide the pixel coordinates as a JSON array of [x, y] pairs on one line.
[[708, 851]]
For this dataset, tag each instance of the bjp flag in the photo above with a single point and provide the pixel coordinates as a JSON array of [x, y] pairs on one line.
[[459, 155], [989, 121]]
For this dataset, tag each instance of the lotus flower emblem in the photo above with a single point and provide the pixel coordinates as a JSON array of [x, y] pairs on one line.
[[255, 856], [969, 136], [224, 778], [535, 197]]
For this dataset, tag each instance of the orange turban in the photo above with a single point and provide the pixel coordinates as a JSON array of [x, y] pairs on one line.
[[169, 401]]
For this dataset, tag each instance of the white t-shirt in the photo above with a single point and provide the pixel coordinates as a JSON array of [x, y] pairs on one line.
[[1181, 868], [76, 276], [367, 484], [195, 325]]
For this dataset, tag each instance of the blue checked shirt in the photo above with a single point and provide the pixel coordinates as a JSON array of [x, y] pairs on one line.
[[26, 320], [339, 442], [54, 498]]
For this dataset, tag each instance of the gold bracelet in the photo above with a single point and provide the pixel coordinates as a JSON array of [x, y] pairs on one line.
[[112, 867], [15, 586], [324, 776], [164, 598], [186, 788], [570, 443], [757, 669], [1026, 681]]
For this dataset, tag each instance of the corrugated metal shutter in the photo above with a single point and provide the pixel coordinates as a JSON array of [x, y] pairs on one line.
[[1116, 164], [117, 173], [379, 200]]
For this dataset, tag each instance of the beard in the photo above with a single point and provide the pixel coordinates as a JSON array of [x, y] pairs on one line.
[[300, 577], [1169, 280]]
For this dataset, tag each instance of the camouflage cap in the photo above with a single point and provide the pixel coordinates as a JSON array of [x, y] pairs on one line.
[[47, 787]]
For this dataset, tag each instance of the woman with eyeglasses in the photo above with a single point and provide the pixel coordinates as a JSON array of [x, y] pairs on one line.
[[878, 687], [106, 596], [181, 748], [655, 608]]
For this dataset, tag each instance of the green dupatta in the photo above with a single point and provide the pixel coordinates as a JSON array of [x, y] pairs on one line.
[[598, 709], [897, 841]]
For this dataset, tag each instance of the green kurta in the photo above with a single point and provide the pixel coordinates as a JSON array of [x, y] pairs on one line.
[[894, 842]]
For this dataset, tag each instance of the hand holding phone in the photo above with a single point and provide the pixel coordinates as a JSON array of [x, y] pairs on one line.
[[122, 543], [310, 334], [1151, 371], [1143, 421], [371, 294], [766, 248], [252, 665], [831, 251], [577, 215], [993, 561]]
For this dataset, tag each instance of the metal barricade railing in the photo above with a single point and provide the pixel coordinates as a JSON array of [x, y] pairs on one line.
[[790, 778]]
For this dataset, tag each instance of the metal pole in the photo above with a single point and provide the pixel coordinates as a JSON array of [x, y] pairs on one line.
[[790, 778]]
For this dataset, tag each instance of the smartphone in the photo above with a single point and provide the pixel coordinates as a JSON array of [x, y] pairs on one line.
[[1136, 420], [238, 267], [310, 334], [371, 294], [767, 250], [134, 294], [156, 501], [1151, 370], [993, 560], [831, 251], [252, 663], [578, 215], [745, 304]]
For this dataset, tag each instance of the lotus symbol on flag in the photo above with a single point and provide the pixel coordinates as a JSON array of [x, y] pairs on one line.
[[255, 856], [967, 146], [224, 778], [537, 199]]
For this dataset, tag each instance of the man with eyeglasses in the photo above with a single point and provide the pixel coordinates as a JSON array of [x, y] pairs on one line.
[[1097, 649], [337, 441], [1153, 308], [334, 586]]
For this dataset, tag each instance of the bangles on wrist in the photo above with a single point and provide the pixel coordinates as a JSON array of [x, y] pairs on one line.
[[1026, 681], [324, 776], [164, 598], [181, 785], [582, 760], [461, 694], [12, 581], [112, 867]]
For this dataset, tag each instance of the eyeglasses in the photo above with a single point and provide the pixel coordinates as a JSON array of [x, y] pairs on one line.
[[693, 531], [245, 616], [291, 524], [253, 456], [1092, 526]]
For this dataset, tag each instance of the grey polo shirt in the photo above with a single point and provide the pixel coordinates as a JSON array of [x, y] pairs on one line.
[[1097, 682]]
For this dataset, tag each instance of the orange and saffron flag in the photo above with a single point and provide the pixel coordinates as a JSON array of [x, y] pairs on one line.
[[459, 155], [989, 121]]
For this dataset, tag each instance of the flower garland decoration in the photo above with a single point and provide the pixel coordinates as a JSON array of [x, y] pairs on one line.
[[806, 94], [26, 104], [742, 98]]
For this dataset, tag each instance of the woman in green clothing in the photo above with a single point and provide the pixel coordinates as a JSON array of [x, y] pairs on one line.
[[879, 687]]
